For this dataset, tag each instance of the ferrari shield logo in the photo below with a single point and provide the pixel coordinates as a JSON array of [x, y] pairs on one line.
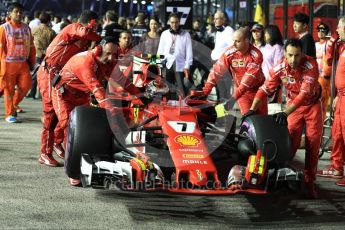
[[237, 63], [199, 174]]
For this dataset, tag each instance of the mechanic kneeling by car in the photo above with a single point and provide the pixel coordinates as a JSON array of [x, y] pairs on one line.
[[298, 73], [83, 75]]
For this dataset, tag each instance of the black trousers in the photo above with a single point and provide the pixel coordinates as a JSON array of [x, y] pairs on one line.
[[175, 80]]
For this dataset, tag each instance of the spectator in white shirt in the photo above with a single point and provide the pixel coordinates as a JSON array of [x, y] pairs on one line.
[[36, 21], [176, 45], [223, 38]]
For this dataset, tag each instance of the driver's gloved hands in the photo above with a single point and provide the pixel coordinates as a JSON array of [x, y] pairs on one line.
[[281, 118], [145, 100], [248, 114]]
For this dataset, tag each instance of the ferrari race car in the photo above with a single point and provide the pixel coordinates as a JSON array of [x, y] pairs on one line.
[[185, 145]]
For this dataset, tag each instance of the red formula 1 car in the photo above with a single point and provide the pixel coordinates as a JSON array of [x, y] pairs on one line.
[[186, 145]]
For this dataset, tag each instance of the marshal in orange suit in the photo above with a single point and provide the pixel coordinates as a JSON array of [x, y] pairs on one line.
[[17, 54]]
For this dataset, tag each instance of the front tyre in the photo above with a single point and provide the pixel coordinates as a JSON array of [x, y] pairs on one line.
[[88, 132]]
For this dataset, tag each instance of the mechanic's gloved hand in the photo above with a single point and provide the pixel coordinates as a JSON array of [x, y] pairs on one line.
[[93, 101], [248, 114], [281, 118]]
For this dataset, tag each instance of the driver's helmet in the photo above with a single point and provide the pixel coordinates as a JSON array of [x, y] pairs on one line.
[[157, 87]]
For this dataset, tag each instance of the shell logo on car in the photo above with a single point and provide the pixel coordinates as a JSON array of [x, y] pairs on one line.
[[187, 140]]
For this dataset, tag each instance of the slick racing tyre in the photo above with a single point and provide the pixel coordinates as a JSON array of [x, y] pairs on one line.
[[88, 132], [263, 129]]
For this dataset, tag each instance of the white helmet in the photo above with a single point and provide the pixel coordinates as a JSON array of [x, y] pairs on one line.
[[156, 87]]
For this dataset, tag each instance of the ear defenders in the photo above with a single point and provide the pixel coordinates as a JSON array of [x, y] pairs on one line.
[[103, 42], [99, 48], [175, 31], [220, 28]]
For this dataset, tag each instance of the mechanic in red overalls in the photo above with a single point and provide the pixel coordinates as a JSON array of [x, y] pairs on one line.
[[244, 61], [299, 75], [83, 75], [73, 39], [336, 48], [125, 50], [125, 58], [17, 54]]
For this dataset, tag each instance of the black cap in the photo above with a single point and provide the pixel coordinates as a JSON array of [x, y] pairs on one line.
[[323, 27], [256, 27]]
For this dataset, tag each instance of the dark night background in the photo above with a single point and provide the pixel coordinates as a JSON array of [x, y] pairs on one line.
[[73, 7]]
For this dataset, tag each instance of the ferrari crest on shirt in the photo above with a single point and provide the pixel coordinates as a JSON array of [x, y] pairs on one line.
[[237, 63], [288, 79], [284, 79]]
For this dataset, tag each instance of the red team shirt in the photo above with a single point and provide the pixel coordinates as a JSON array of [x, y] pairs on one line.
[[245, 69], [301, 83], [84, 74], [73, 39]]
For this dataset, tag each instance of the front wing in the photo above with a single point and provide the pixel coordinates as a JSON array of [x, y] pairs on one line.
[[120, 175]]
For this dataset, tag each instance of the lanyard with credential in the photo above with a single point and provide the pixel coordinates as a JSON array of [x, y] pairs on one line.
[[172, 48]]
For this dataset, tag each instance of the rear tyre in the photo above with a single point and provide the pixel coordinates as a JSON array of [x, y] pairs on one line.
[[88, 132]]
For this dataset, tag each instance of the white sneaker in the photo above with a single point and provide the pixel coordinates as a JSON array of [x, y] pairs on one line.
[[11, 119]]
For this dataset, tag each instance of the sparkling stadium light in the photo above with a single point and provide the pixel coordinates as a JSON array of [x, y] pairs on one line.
[[125, 1], [143, 2], [135, 1]]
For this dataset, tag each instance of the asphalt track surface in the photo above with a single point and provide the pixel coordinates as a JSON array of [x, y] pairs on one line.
[[33, 196]]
